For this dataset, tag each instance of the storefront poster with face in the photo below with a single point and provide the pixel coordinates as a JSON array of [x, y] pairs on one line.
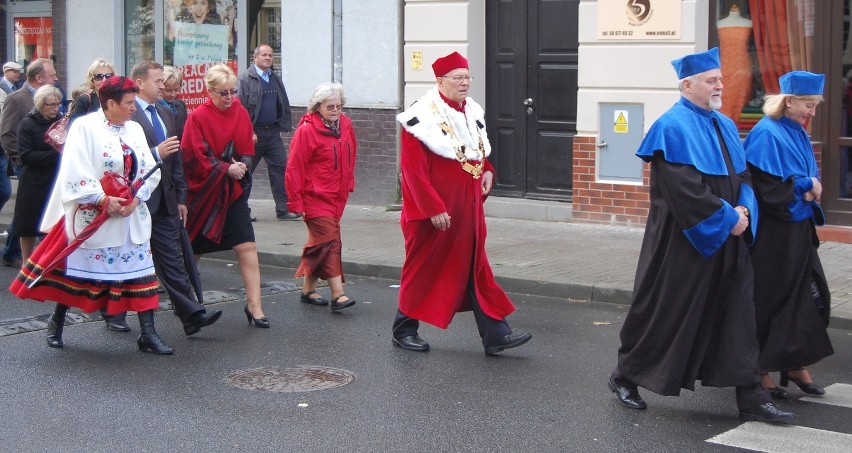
[[199, 34]]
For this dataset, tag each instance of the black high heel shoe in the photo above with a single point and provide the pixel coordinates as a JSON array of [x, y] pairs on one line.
[[810, 389], [263, 323]]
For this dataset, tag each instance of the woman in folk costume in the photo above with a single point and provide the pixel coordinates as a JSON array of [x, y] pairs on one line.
[[791, 295], [320, 175], [217, 149], [445, 180], [111, 269]]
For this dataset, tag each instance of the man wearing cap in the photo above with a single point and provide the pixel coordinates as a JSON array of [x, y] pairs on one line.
[[791, 294], [445, 179], [11, 77], [692, 315]]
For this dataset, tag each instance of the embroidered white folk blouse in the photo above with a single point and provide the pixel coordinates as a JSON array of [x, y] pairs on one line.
[[119, 249]]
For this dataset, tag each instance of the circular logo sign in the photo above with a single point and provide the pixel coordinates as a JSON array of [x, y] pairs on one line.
[[638, 11]]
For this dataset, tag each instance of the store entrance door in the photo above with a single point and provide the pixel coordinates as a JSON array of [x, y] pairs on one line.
[[531, 95], [29, 26]]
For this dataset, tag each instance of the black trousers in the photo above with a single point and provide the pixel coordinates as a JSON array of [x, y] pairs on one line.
[[169, 264], [490, 329], [270, 148]]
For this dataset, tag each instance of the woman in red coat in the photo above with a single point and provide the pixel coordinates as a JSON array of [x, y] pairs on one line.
[[320, 175]]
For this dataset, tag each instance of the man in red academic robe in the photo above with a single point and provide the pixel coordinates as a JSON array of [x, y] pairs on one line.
[[445, 180]]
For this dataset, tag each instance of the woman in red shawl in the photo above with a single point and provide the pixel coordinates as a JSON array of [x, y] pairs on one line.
[[217, 150], [320, 175]]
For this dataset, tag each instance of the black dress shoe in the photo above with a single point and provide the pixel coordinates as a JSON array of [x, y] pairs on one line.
[[627, 395], [307, 299], [118, 324], [513, 340], [199, 320], [766, 412], [411, 343]]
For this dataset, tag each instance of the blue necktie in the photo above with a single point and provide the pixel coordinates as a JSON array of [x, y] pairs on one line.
[[158, 128]]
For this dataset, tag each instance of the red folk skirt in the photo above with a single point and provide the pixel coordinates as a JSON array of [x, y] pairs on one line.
[[138, 294]]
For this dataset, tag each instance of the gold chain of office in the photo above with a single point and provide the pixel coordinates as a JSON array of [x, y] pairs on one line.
[[458, 146]]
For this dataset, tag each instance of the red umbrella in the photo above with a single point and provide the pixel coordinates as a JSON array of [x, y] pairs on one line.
[[114, 185]]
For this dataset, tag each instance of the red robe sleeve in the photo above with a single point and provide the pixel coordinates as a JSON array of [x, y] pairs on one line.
[[419, 198]]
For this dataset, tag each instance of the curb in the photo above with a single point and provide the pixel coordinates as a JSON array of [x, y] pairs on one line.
[[576, 291]]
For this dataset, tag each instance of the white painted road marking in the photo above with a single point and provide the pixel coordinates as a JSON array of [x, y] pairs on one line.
[[835, 394], [759, 436]]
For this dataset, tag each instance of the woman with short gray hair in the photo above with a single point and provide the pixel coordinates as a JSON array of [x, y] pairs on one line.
[[319, 178], [40, 162]]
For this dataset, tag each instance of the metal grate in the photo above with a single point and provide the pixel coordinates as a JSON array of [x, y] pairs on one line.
[[302, 378]]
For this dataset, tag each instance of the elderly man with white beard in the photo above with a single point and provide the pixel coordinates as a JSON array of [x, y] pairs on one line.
[[692, 316]]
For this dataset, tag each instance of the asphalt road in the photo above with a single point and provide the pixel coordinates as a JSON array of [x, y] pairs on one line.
[[100, 394]]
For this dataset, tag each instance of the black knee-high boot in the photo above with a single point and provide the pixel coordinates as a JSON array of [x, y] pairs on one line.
[[55, 325], [149, 340]]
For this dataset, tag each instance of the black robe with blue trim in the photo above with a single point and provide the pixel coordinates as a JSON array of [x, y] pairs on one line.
[[692, 316], [791, 324]]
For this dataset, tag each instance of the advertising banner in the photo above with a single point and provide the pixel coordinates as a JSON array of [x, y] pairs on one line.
[[631, 20], [33, 38], [199, 34]]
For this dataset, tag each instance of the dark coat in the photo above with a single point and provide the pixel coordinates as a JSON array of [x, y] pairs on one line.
[[172, 187], [18, 105], [41, 163], [84, 104], [250, 92], [791, 328]]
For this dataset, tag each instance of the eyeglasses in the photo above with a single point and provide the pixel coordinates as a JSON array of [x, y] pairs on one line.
[[51, 105], [225, 93], [333, 107], [100, 77], [458, 78]]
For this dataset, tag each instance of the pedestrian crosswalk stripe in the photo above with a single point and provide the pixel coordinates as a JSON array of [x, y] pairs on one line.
[[759, 436], [835, 394]]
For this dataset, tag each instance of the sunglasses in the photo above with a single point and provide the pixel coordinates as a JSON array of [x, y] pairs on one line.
[[226, 93], [100, 77]]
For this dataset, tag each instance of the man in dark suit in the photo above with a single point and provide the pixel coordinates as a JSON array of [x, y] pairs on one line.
[[168, 201]]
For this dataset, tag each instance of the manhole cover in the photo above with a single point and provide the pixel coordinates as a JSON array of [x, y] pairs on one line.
[[302, 378]]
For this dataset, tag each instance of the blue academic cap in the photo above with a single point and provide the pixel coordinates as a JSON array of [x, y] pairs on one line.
[[697, 63], [802, 83]]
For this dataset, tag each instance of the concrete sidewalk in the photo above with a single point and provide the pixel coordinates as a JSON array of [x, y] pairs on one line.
[[558, 259]]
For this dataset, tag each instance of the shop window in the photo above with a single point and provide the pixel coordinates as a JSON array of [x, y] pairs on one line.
[[845, 161], [139, 37], [760, 40]]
